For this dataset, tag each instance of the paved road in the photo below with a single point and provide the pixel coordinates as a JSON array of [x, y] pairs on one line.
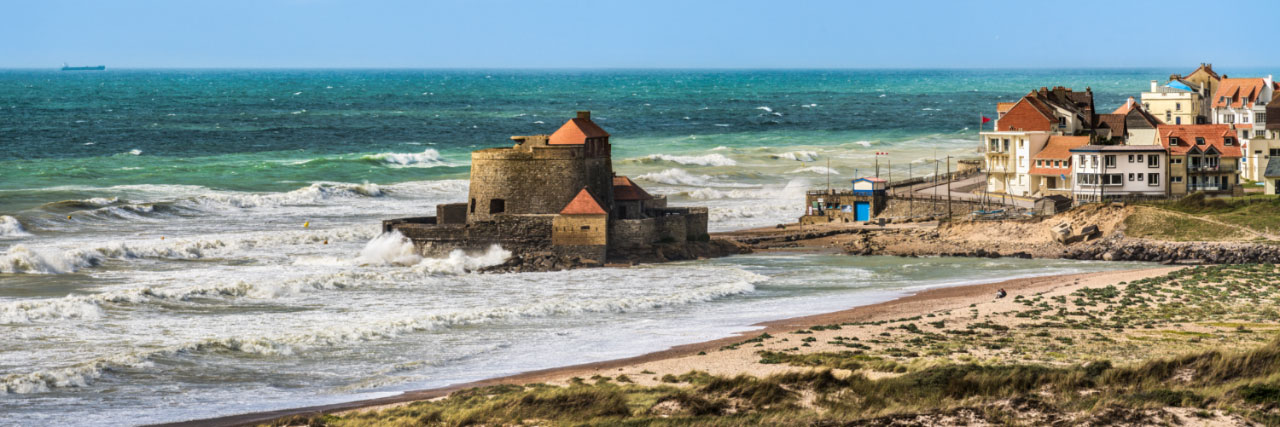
[[976, 181]]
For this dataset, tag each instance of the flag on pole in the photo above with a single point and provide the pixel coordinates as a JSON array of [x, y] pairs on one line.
[[984, 119]]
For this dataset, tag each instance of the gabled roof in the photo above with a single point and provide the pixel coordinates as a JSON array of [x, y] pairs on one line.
[[1232, 92], [1125, 107], [1208, 69], [1273, 168], [576, 131], [1059, 147], [583, 204], [1214, 136], [869, 178], [626, 190], [1115, 122]]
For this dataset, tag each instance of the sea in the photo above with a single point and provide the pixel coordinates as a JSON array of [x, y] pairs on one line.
[[180, 244]]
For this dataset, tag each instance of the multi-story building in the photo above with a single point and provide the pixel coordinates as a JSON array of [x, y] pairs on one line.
[[1264, 146], [1051, 169], [1203, 77], [1105, 172], [1023, 128], [1180, 102], [1242, 102], [1202, 158]]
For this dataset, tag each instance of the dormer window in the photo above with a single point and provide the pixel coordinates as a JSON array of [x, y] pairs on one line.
[[1173, 140], [1199, 141], [1229, 141], [1062, 122]]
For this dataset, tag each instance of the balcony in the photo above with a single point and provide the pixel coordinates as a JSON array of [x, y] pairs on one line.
[[1195, 188], [1230, 167]]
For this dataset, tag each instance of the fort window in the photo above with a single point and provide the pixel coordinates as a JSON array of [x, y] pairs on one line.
[[586, 228], [497, 206], [473, 205]]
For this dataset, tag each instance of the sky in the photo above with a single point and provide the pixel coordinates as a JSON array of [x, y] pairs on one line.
[[628, 34]]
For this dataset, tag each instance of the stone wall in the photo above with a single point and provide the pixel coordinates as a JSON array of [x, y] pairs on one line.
[[580, 230], [632, 233], [670, 228], [535, 178], [513, 232], [912, 208], [451, 213]]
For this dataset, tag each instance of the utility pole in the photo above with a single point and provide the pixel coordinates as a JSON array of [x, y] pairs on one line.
[[948, 188], [877, 165], [828, 175], [911, 194]]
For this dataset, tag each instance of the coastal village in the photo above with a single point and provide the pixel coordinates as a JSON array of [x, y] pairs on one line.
[[1199, 132]]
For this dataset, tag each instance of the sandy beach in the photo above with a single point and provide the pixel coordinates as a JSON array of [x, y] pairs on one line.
[[729, 356]]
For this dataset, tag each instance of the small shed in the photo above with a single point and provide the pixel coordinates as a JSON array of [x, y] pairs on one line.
[[869, 186], [1052, 204]]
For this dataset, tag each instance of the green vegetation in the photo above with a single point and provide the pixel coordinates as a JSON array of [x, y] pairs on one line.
[[1198, 218]]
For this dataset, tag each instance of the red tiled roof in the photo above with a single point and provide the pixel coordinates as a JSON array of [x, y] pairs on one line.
[[1124, 108], [1214, 136], [625, 189], [1236, 90], [1049, 170], [1059, 147], [576, 131], [1244, 126], [583, 204], [1028, 114]]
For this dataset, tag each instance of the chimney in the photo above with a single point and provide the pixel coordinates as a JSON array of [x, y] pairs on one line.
[[1154, 85], [584, 115], [1129, 104]]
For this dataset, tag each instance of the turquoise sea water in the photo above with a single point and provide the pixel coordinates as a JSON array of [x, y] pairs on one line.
[[154, 265]]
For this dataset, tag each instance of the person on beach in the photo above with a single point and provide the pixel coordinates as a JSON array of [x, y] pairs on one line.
[[1001, 293]]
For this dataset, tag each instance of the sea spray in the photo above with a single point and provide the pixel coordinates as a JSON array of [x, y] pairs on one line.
[[676, 177], [395, 249]]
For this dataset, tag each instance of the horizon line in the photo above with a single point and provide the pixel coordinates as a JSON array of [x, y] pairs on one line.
[[959, 68]]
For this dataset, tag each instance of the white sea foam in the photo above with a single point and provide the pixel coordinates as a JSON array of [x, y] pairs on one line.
[[863, 143], [735, 282], [765, 108], [135, 152], [703, 160], [676, 177], [799, 156], [427, 158], [712, 194], [10, 227], [820, 170], [395, 249], [19, 259]]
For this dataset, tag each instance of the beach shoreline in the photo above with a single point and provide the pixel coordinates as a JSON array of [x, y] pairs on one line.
[[677, 357]]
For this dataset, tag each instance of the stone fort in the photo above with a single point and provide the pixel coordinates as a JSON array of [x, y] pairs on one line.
[[553, 194]]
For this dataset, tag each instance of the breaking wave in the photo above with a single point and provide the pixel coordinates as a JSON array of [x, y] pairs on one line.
[[703, 160], [395, 249], [11, 227], [676, 177], [799, 156], [427, 158], [334, 335], [820, 170]]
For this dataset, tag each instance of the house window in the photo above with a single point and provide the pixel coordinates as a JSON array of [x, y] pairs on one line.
[[1168, 116], [1062, 122], [1130, 158], [1175, 179], [1113, 179], [1153, 180], [497, 206], [1176, 106], [1177, 161], [1275, 152], [1153, 161], [1110, 160], [1229, 141], [1139, 177], [1022, 143], [1131, 176], [1259, 134], [1244, 118], [1199, 141]]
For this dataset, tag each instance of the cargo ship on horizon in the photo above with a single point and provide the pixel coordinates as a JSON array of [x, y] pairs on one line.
[[66, 67]]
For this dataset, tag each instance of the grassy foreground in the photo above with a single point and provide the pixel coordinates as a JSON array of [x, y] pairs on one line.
[[1198, 218], [1195, 344]]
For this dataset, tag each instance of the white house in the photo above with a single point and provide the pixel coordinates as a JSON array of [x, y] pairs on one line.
[[1115, 171]]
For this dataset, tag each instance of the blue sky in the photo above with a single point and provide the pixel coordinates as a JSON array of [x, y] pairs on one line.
[[632, 34]]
